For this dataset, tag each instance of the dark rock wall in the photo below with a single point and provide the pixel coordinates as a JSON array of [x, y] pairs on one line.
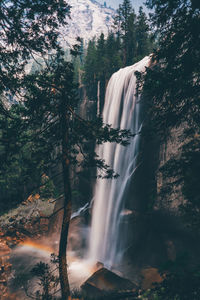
[[169, 189], [158, 233]]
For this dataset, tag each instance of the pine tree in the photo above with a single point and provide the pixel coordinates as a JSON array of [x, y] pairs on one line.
[[100, 57], [124, 24], [142, 34], [91, 70], [125, 12], [131, 40], [113, 55], [125, 28], [102, 60]]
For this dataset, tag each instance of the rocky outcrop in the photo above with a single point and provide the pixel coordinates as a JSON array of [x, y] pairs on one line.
[[104, 282]]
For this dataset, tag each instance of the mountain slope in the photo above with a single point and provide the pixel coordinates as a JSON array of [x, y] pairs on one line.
[[88, 19]]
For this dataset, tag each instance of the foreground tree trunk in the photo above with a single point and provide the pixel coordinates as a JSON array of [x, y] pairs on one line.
[[64, 282]]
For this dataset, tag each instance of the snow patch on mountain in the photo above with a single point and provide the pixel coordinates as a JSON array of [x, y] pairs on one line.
[[88, 19]]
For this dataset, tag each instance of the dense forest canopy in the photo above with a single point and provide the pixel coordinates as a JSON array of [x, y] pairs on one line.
[[28, 30], [22, 150], [128, 42], [177, 23]]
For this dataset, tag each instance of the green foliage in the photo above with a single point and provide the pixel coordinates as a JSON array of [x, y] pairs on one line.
[[125, 24], [90, 70], [129, 42], [173, 83], [51, 91], [32, 136], [190, 164], [28, 29], [172, 86], [47, 189], [177, 286], [45, 128], [143, 37], [21, 156], [134, 33], [180, 281], [101, 61], [48, 282], [34, 132]]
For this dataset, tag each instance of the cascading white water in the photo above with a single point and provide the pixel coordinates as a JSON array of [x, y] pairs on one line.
[[121, 110]]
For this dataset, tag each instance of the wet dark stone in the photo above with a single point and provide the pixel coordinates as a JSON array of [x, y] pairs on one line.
[[104, 281]]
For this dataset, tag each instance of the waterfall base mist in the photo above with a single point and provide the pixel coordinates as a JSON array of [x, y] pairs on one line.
[[25, 256]]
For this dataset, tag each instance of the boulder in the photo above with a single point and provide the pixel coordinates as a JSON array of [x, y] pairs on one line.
[[104, 282]]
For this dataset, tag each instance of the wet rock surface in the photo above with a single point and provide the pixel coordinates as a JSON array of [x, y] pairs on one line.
[[104, 282]]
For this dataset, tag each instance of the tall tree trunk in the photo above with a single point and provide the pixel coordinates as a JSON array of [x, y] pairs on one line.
[[64, 282]]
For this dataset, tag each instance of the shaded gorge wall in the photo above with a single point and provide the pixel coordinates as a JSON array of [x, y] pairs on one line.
[[157, 232]]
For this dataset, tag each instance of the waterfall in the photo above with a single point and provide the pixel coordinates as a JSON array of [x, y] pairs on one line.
[[121, 110]]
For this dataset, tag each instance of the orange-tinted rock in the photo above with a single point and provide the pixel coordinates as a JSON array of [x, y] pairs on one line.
[[4, 249], [30, 198], [1, 233], [150, 276]]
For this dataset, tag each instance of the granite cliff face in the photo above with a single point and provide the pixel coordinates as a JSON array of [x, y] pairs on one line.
[[88, 20], [169, 188], [177, 169]]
